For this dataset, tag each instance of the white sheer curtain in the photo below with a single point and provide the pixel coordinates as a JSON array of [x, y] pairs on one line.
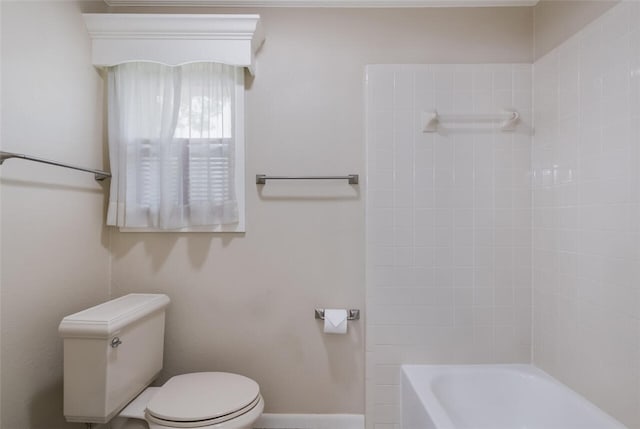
[[171, 145]]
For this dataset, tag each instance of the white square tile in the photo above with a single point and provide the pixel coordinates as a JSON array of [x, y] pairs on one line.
[[503, 80], [443, 78], [483, 80], [403, 89], [463, 80], [380, 88]]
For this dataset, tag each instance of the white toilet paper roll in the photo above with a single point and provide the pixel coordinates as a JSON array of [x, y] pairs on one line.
[[335, 321]]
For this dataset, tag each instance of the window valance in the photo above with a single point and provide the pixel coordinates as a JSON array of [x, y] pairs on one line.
[[170, 39]]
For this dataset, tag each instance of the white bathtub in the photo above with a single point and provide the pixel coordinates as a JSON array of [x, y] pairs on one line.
[[493, 397]]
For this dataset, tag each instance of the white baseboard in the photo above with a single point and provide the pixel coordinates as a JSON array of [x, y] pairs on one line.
[[310, 421]]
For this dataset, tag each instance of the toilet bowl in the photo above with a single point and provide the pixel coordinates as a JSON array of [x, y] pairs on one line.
[[204, 400], [113, 352]]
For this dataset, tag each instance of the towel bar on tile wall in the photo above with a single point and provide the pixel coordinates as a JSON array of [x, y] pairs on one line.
[[261, 179], [351, 314], [508, 120]]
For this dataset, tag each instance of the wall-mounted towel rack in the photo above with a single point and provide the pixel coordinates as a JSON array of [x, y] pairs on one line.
[[508, 120], [261, 179], [98, 174]]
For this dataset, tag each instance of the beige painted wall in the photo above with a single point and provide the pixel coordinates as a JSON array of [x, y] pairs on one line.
[[54, 246], [245, 303], [557, 20]]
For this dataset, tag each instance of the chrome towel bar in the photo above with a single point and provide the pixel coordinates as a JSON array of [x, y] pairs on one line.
[[261, 179], [98, 174]]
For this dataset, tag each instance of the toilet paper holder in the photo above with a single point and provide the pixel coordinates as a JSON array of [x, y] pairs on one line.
[[352, 314]]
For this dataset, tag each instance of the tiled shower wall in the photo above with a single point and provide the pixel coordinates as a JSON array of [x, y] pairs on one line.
[[448, 224], [586, 221]]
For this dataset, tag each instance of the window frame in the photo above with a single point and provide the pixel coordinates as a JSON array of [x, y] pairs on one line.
[[239, 171]]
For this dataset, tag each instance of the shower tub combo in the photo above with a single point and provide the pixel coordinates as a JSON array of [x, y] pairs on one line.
[[493, 397]]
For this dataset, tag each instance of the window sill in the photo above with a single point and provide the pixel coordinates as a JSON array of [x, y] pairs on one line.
[[236, 227]]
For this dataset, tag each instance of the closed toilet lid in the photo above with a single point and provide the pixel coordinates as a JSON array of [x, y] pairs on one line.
[[202, 396]]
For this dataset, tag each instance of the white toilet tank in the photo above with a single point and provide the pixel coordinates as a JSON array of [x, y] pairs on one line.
[[112, 352]]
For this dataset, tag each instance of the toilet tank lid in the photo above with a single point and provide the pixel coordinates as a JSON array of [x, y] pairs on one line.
[[104, 320]]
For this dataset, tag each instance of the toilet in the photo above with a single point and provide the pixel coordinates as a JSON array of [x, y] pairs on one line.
[[112, 354]]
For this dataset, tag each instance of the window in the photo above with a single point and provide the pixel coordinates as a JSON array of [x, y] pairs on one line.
[[177, 136]]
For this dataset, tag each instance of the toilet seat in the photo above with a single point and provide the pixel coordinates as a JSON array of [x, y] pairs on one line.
[[203, 423], [202, 399]]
